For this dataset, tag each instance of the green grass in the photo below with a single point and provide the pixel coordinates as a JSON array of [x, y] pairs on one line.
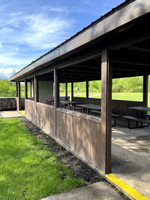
[[28, 170], [117, 96]]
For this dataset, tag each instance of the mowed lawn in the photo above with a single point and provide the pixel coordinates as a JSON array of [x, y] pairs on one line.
[[28, 170], [117, 96]]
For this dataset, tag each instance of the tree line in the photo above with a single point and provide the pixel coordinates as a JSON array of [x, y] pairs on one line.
[[121, 85]]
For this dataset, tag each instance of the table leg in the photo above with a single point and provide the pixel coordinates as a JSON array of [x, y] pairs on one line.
[[88, 111]]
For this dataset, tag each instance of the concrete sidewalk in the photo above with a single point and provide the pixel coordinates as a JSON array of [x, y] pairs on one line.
[[96, 191], [9, 114]]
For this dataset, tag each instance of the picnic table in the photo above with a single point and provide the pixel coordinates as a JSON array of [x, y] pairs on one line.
[[140, 108], [70, 103], [89, 107], [50, 100], [138, 119]]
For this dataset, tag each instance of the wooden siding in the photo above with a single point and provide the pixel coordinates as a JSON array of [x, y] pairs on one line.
[[40, 114], [82, 134], [79, 132]]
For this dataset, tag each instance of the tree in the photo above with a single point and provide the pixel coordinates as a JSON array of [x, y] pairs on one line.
[[7, 88]]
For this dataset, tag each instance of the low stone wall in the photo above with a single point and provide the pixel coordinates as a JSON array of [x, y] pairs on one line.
[[9, 103]]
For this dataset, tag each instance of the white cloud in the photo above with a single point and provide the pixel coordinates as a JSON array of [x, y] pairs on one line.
[[43, 32], [57, 9], [36, 30], [12, 60], [1, 44], [26, 35], [6, 73]]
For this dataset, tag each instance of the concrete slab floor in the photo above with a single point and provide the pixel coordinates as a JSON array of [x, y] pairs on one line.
[[96, 191], [8, 114], [131, 157]]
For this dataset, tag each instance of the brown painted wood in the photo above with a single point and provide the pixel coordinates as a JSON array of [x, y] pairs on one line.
[[66, 91], [36, 90], [31, 88], [145, 90], [106, 106], [71, 91], [40, 114], [25, 89], [138, 49], [16, 88], [87, 89], [56, 97], [56, 88], [19, 97]]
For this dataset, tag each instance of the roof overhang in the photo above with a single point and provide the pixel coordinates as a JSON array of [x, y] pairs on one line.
[[118, 17]]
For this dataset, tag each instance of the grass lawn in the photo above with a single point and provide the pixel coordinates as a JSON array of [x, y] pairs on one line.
[[117, 96], [28, 170]]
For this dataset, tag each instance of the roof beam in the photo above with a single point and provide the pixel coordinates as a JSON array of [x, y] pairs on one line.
[[131, 63], [138, 49]]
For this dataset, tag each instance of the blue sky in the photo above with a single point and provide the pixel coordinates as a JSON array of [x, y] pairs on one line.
[[30, 28]]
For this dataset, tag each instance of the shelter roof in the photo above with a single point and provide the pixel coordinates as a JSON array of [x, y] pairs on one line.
[[114, 19]]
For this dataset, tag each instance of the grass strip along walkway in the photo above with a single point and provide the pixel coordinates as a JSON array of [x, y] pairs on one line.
[[28, 170]]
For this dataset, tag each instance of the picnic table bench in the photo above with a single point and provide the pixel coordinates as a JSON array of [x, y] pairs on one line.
[[115, 116], [148, 115], [136, 119]]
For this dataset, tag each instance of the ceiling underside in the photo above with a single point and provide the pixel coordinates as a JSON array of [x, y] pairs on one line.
[[132, 60]]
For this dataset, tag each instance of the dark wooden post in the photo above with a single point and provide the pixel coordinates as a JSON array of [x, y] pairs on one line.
[[36, 88], [56, 97], [25, 89], [31, 88], [16, 88], [18, 96], [66, 91], [145, 90], [87, 90], [56, 88], [106, 110], [71, 91]]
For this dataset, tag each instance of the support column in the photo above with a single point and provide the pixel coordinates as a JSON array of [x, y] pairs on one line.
[[87, 90], [66, 91], [18, 96], [36, 88], [71, 91], [145, 90], [25, 89], [56, 97], [106, 111], [16, 88], [31, 85]]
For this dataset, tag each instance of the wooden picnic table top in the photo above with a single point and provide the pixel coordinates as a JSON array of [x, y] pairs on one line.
[[90, 106], [140, 108], [68, 102]]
